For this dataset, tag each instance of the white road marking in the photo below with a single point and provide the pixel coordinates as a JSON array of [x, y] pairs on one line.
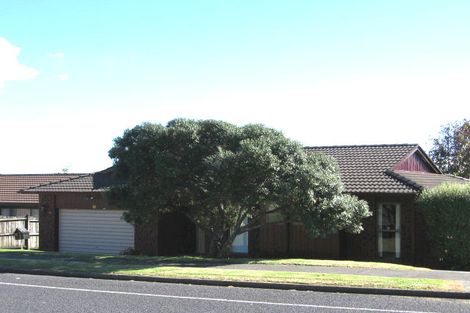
[[212, 299]]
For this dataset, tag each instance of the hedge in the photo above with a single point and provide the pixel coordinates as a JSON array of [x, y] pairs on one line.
[[446, 211]]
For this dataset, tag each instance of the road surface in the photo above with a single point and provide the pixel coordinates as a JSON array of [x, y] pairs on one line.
[[48, 294]]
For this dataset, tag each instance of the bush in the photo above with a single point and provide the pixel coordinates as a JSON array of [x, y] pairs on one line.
[[446, 211], [129, 251]]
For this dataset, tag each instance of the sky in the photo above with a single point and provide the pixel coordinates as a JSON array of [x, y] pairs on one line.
[[75, 74]]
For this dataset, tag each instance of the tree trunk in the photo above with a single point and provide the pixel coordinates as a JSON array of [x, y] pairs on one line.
[[213, 247], [220, 245]]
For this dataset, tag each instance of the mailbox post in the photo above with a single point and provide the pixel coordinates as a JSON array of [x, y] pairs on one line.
[[26, 225]]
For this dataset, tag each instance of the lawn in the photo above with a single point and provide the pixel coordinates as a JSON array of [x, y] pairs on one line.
[[198, 260], [203, 268], [296, 278]]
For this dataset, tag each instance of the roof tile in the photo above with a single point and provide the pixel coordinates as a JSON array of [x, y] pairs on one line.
[[428, 180], [93, 182], [363, 169], [11, 184]]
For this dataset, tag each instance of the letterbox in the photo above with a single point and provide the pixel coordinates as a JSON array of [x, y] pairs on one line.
[[21, 233]]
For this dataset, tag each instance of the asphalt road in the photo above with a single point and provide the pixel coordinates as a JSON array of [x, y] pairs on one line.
[[41, 294]]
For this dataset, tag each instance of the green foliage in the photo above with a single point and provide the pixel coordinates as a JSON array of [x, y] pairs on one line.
[[220, 175], [446, 209], [451, 151]]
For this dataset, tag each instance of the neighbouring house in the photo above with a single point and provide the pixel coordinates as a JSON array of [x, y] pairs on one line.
[[76, 216], [13, 203]]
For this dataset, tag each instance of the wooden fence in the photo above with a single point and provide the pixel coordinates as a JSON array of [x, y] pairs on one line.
[[8, 226]]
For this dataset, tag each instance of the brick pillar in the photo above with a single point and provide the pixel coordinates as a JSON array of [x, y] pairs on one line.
[[48, 223], [146, 238]]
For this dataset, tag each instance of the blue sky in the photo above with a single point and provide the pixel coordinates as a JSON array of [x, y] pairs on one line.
[[75, 74]]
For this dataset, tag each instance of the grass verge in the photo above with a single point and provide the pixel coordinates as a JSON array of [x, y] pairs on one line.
[[201, 268], [298, 278]]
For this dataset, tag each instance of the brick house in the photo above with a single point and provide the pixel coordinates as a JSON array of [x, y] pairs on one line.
[[76, 217], [389, 178]]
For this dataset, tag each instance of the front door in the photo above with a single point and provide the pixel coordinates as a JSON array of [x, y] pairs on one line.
[[389, 230]]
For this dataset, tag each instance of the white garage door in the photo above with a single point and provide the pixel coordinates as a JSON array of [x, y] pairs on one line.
[[94, 231]]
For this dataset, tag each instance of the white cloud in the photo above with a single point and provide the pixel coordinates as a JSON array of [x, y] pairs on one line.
[[56, 55], [10, 68], [63, 76]]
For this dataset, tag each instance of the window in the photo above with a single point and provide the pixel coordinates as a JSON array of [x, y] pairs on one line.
[[389, 230], [240, 243]]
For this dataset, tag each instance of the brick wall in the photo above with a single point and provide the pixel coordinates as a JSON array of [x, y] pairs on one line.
[[364, 246], [48, 229], [146, 238], [83, 201], [282, 239], [291, 240]]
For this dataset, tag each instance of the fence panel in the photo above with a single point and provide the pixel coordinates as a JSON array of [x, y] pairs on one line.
[[8, 226]]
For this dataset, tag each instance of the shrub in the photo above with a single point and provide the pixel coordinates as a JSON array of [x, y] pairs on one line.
[[446, 211], [129, 251]]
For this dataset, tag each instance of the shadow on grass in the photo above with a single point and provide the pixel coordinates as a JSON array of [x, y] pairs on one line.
[[34, 259], [114, 263]]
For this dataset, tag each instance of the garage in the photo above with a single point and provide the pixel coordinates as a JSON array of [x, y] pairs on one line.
[[94, 231]]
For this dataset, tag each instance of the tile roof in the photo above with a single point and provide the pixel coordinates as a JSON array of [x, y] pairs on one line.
[[423, 180], [11, 184], [93, 182], [364, 169]]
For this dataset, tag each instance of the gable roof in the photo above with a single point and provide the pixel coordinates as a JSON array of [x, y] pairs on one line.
[[365, 168], [418, 154], [376, 168], [11, 184], [92, 182]]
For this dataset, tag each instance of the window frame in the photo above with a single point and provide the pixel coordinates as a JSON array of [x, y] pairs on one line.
[[396, 231]]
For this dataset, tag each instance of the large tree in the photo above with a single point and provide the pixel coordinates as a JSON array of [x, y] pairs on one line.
[[224, 178], [451, 150]]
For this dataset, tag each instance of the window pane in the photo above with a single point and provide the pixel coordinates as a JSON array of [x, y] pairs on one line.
[[389, 217], [388, 239], [389, 230]]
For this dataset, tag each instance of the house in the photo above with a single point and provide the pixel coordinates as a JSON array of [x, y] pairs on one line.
[[13, 203], [389, 178], [76, 216]]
